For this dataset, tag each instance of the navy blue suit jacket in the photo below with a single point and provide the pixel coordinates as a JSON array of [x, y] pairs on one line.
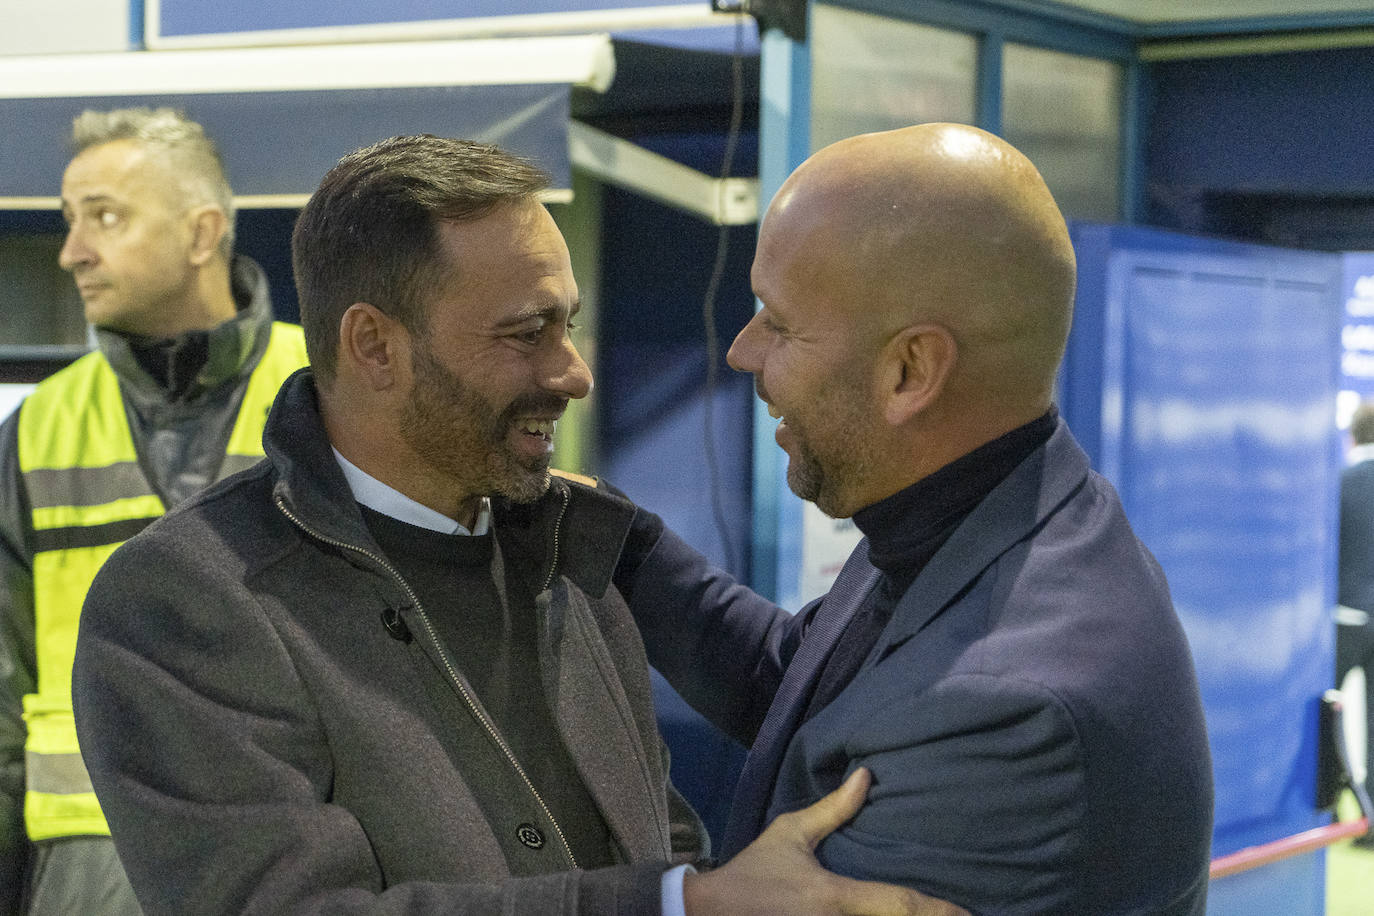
[[1030, 714], [1356, 584]]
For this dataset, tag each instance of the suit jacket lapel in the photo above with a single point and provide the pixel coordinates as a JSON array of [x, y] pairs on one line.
[[1002, 520]]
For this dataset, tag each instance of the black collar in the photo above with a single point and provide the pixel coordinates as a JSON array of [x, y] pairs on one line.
[[905, 529], [180, 370]]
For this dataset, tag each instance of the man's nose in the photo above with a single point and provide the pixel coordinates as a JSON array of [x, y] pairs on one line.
[[570, 377], [743, 353], [75, 251]]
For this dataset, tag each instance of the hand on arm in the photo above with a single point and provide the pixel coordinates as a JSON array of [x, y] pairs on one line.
[[977, 784], [778, 872]]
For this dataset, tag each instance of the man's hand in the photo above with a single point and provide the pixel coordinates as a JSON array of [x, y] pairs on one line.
[[778, 872]]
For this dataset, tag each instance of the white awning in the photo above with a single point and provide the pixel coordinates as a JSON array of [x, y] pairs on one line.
[[282, 116]]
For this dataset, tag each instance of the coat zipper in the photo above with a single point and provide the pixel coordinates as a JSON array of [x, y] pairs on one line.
[[557, 528], [468, 699]]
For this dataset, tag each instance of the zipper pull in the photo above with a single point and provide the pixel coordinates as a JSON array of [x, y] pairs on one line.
[[395, 626]]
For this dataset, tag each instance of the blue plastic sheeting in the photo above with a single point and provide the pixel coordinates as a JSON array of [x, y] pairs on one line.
[[284, 142], [202, 17], [1202, 377]]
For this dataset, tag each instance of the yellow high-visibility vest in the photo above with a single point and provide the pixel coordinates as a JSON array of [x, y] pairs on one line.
[[88, 495]]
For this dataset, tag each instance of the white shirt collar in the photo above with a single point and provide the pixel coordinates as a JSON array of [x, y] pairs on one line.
[[1359, 453], [377, 496]]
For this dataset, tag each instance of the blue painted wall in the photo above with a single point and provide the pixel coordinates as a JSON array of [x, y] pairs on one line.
[[1275, 130]]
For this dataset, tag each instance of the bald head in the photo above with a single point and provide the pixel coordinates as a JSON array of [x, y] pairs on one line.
[[917, 287], [938, 223]]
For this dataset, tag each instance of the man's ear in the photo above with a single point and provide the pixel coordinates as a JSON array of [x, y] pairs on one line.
[[374, 346], [208, 225], [918, 363]]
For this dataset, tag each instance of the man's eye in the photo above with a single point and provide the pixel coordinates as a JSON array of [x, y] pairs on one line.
[[108, 218], [531, 336]]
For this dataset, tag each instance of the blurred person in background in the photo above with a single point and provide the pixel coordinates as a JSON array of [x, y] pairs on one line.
[[175, 397], [1355, 582]]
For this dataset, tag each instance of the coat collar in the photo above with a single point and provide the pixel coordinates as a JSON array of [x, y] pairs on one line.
[[581, 528], [240, 341], [578, 528], [1030, 494]]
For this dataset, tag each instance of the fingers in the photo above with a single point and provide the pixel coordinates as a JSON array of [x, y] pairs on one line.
[[814, 823], [872, 898]]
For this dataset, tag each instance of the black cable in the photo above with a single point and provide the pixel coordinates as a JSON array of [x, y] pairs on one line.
[[708, 309]]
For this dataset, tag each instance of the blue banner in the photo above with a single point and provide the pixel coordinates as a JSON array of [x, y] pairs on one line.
[[186, 18]]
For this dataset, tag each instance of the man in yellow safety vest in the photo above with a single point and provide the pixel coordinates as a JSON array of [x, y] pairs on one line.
[[174, 398]]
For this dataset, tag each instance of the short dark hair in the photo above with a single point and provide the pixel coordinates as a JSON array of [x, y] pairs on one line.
[[1362, 423], [370, 231]]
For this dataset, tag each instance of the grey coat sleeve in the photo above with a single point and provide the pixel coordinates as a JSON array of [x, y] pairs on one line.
[[17, 664], [213, 769]]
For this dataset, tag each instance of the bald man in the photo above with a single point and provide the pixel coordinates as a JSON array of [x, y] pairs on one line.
[[1000, 651]]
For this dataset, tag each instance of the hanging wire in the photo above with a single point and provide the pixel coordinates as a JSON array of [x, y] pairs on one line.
[[708, 311]]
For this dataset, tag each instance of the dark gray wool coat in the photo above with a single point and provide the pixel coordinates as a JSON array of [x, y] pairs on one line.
[[272, 727]]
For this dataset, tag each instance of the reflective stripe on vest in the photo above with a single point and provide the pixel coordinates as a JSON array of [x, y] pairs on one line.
[[88, 495]]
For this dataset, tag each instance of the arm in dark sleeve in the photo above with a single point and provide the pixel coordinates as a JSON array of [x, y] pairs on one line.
[[978, 797], [18, 664], [214, 772], [722, 646]]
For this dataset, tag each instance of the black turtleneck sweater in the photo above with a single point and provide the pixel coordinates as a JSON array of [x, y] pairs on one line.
[[906, 529]]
